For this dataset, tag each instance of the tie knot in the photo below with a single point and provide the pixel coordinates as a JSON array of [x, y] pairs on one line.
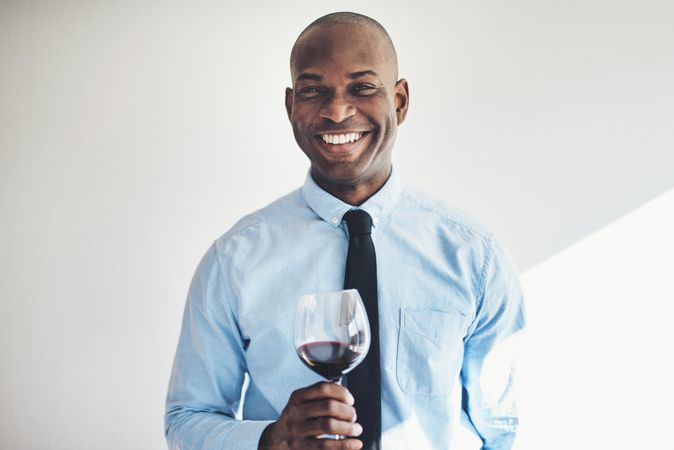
[[359, 222]]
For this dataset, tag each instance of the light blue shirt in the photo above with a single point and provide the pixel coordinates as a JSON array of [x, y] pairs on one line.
[[450, 306]]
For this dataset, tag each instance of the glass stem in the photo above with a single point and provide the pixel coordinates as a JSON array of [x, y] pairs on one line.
[[333, 436]]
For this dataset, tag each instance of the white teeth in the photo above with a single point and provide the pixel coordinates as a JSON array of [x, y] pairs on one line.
[[341, 138]]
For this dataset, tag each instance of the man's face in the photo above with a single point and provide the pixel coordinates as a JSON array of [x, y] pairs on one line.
[[345, 104]]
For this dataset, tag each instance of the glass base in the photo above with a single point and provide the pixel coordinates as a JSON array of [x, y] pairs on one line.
[[331, 436]]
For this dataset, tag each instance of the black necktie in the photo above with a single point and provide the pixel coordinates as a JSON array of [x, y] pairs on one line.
[[361, 274]]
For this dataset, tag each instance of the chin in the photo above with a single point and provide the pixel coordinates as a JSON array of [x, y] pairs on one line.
[[339, 176]]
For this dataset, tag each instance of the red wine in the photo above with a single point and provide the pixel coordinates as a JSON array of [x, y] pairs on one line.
[[329, 359]]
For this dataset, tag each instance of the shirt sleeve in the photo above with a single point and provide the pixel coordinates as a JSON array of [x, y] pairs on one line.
[[488, 374], [208, 370]]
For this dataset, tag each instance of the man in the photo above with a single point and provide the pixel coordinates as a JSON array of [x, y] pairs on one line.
[[445, 294]]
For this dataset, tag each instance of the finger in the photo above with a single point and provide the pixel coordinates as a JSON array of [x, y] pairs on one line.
[[323, 390], [328, 408], [330, 425]]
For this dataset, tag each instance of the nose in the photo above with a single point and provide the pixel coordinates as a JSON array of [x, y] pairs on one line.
[[337, 108]]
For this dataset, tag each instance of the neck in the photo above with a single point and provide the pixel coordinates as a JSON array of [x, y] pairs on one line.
[[353, 193]]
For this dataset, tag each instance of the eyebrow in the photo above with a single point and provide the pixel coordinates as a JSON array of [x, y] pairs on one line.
[[363, 73], [353, 76], [309, 76]]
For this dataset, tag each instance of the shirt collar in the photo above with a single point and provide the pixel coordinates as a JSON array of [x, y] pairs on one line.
[[331, 209]]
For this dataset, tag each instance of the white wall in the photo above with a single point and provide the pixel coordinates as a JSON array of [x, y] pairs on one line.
[[596, 368], [134, 133]]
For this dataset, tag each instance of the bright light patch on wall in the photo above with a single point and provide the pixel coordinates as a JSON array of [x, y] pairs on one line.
[[597, 369]]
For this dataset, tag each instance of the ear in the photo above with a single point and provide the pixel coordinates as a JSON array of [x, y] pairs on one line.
[[289, 101], [402, 99]]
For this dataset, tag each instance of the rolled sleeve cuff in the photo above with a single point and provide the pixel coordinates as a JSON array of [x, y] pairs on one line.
[[247, 434]]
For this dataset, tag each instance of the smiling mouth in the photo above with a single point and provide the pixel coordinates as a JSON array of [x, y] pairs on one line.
[[342, 138]]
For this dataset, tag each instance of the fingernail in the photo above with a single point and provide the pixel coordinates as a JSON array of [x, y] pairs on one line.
[[349, 399], [356, 429]]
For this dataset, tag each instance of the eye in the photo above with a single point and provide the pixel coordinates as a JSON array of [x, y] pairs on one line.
[[310, 91], [363, 89]]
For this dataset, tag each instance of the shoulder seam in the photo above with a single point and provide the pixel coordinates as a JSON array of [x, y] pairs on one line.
[[254, 218], [239, 228], [482, 233], [227, 286], [481, 287]]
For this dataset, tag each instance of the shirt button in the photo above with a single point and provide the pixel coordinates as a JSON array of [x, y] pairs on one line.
[[335, 220], [375, 220]]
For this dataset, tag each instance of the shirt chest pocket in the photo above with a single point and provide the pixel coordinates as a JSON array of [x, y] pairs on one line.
[[430, 351]]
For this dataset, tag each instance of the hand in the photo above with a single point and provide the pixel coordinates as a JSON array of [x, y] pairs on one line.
[[322, 408]]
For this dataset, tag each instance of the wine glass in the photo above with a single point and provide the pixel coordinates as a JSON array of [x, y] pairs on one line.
[[332, 333]]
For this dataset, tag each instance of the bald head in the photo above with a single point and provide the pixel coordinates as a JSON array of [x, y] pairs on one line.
[[348, 20]]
